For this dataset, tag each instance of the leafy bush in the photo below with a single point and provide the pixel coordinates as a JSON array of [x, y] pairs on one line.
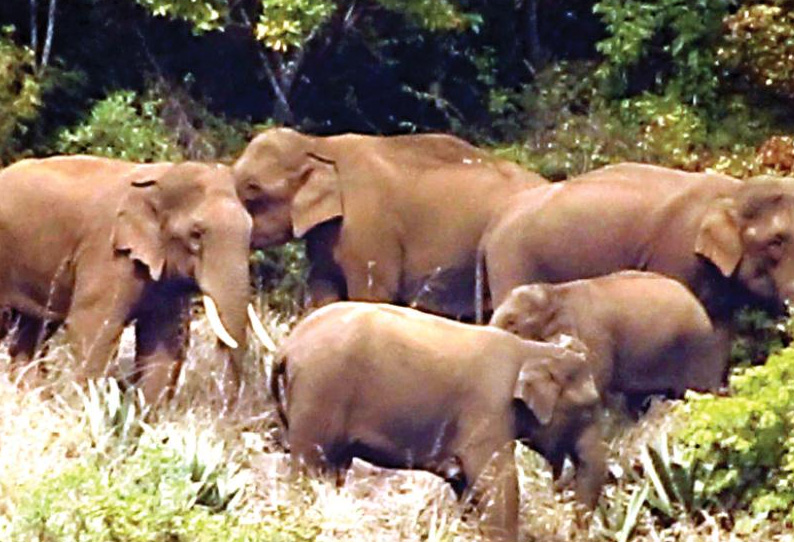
[[20, 92], [673, 40], [163, 123], [171, 485], [747, 438], [282, 272], [125, 126], [145, 497]]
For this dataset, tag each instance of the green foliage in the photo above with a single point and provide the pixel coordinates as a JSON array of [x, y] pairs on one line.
[[285, 24], [20, 92], [433, 15], [147, 496], [205, 15], [679, 34], [282, 274], [758, 335], [124, 126], [113, 417], [676, 481], [747, 439]]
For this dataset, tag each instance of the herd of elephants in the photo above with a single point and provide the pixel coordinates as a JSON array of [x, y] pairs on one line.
[[624, 280]]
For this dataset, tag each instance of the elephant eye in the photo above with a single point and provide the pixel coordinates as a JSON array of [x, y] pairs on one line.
[[194, 239]]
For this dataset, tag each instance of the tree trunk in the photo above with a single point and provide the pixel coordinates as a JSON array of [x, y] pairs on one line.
[[34, 28], [533, 51], [45, 55]]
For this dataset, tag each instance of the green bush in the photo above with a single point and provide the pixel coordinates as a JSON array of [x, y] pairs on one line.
[[747, 439], [153, 494], [125, 126], [20, 92], [282, 273]]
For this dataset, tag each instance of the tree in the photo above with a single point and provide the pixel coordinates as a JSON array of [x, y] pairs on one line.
[[295, 33]]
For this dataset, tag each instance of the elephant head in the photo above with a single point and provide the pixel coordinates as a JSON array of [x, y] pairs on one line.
[[750, 237], [529, 311], [286, 186], [560, 386], [185, 229]]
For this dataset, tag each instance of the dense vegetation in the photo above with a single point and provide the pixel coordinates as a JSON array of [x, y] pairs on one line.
[[562, 86]]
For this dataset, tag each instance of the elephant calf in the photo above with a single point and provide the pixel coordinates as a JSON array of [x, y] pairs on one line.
[[645, 333], [405, 389]]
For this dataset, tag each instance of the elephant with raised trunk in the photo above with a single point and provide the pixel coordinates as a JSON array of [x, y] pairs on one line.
[[393, 219], [96, 243], [730, 242]]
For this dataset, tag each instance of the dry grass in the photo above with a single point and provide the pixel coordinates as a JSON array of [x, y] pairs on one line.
[[44, 431]]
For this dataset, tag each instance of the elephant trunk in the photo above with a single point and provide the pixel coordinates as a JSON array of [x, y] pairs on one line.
[[224, 283]]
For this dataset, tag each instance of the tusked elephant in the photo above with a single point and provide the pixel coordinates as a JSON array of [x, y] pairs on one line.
[[406, 389], [394, 219], [729, 241], [97, 243], [645, 333]]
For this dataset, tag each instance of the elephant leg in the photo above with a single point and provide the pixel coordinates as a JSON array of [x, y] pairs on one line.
[[505, 268], [590, 460], [371, 275], [24, 340], [326, 282], [31, 332], [6, 322], [494, 490], [162, 334], [100, 308]]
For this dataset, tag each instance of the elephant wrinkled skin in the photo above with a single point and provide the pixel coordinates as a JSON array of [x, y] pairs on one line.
[[402, 388], [96, 243], [395, 219], [645, 333], [729, 241]]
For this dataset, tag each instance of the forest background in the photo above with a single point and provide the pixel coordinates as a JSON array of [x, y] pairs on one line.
[[561, 86]]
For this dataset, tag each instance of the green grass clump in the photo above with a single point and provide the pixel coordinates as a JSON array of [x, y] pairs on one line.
[[151, 495]]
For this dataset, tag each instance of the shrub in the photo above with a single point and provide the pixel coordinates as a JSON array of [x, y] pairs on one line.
[[747, 438], [159, 492], [20, 92], [125, 126], [282, 272]]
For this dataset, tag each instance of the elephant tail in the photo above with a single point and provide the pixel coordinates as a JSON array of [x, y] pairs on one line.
[[278, 385], [480, 277]]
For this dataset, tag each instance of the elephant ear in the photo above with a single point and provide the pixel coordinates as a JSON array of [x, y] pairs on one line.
[[319, 199], [719, 237], [536, 388], [137, 228]]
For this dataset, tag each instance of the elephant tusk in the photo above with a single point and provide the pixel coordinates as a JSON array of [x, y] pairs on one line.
[[260, 331], [215, 322]]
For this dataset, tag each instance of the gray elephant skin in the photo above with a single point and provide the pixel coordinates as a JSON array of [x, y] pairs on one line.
[[402, 388], [645, 333]]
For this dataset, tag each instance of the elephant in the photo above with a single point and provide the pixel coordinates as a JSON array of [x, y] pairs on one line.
[[728, 241], [391, 219], [645, 333], [96, 243], [406, 389]]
